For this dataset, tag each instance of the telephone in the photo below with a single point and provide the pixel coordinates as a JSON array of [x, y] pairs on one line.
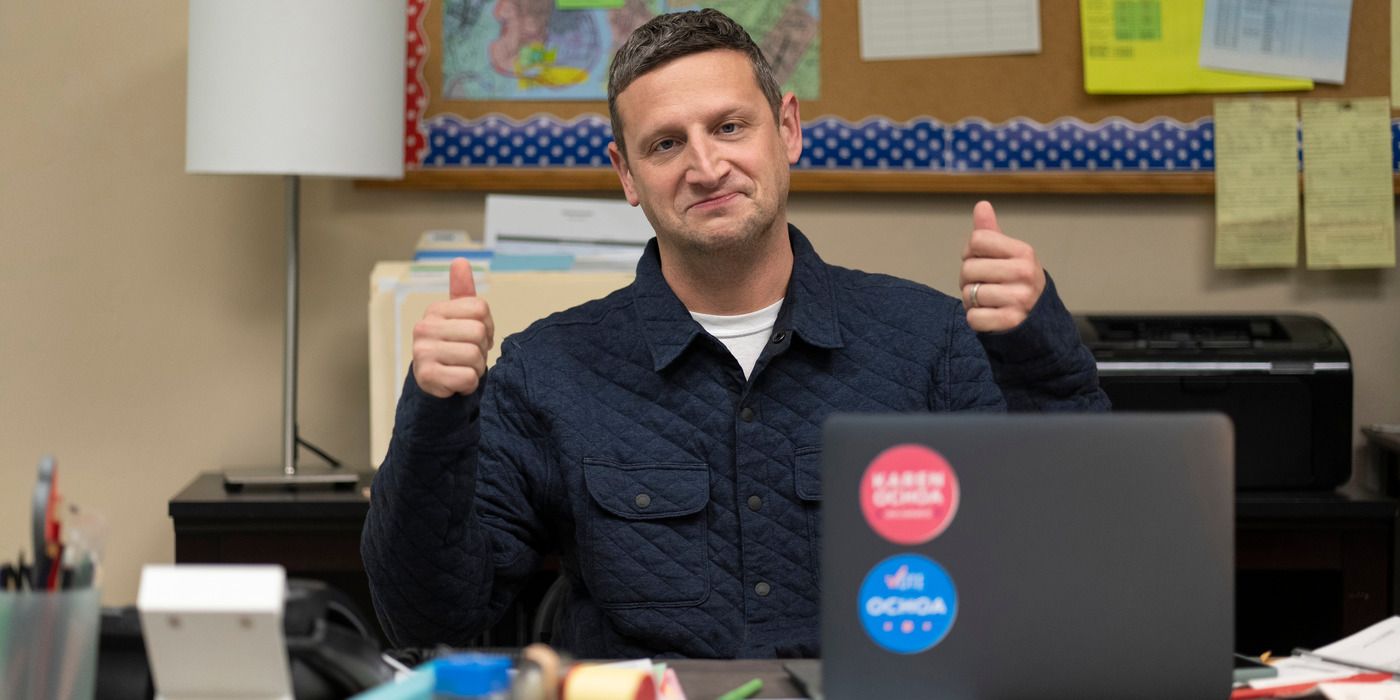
[[333, 651]]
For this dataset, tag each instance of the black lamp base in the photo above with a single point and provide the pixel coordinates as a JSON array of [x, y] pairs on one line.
[[312, 477]]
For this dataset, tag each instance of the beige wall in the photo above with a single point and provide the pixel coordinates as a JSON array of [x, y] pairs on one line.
[[140, 307]]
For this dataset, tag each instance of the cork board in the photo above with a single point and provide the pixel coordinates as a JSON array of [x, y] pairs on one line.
[[887, 100]]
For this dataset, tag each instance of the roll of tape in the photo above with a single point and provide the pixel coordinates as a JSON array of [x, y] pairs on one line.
[[604, 683]]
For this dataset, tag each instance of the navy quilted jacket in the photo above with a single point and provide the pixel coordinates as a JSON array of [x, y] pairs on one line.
[[683, 500]]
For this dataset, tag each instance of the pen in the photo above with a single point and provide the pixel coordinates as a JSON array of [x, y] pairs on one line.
[[1343, 662], [7, 574], [45, 523], [746, 690], [26, 575]]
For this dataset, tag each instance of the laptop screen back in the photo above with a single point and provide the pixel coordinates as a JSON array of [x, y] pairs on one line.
[[1003, 556]]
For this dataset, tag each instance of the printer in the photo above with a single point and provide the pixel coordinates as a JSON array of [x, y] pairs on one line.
[[1285, 381]]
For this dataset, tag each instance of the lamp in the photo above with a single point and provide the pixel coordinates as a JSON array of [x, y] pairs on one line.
[[292, 88]]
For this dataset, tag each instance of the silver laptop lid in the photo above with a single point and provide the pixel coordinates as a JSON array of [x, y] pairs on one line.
[[1012, 556]]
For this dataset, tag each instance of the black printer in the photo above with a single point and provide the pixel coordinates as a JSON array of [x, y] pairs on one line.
[[1285, 380]]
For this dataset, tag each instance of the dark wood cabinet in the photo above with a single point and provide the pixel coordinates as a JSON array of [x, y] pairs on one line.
[[312, 533], [1311, 568]]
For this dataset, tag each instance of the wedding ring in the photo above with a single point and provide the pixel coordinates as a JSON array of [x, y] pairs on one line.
[[972, 295]]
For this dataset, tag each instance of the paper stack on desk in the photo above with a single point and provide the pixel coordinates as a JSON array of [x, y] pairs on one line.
[[1370, 657]]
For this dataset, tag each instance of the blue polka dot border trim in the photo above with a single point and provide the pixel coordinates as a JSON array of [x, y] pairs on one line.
[[924, 144], [874, 144], [498, 141], [1070, 145]]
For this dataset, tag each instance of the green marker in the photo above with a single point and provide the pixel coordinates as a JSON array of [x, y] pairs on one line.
[[746, 690]]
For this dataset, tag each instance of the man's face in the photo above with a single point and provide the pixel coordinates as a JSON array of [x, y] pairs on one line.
[[705, 159]]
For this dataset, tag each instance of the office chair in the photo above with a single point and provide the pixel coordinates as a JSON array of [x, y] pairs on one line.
[[547, 614]]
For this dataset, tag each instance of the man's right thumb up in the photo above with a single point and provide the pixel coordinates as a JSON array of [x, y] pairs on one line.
[[460, 281]]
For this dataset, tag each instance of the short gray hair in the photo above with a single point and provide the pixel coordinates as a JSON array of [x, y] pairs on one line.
[[674, 35]]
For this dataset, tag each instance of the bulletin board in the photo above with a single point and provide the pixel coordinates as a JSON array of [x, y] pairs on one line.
[[877, 126]]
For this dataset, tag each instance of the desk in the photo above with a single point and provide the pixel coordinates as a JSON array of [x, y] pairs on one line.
[[706, 678], [1310, 568], [1383, 449]]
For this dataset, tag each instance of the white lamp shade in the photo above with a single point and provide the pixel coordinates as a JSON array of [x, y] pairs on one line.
[[296, 87]]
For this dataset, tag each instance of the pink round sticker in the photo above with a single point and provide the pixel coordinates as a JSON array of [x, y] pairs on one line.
[[909, 494]]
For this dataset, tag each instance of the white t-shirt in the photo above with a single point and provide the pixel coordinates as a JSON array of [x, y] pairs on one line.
[[744, 335]]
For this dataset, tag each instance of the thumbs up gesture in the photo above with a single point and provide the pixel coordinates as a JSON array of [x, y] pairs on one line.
[[1001, 278], [450, 342]]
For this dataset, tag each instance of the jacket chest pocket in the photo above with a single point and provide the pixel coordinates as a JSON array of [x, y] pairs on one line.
[[643, 540]]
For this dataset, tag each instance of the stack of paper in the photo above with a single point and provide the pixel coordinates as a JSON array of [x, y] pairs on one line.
[[1371, 656], [564, 233]]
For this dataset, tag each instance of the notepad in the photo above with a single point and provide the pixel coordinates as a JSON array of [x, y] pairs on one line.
[[1256, 182], [1348, 183]]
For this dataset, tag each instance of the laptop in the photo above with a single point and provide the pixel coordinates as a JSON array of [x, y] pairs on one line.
[[1019, 556]]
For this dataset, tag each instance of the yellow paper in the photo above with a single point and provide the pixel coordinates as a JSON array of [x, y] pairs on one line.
[[1348, 185], [1151, 47], [1256, 182]]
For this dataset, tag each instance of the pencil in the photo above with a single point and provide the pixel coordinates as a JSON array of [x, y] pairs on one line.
[[1343, 662]]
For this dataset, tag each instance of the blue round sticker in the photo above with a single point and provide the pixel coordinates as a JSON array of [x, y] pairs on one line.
[[908, 603]]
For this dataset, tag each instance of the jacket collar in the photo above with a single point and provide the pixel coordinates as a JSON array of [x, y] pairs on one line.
[[809, 308]]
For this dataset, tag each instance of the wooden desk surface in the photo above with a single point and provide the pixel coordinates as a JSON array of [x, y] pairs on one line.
[[704, 679]]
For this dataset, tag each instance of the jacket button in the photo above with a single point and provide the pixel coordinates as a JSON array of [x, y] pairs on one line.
[[755, 502], [746, 413], [780, 336], [762, 588], [643, 500]]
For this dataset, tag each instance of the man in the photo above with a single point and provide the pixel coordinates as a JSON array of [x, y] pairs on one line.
[[665, 440]]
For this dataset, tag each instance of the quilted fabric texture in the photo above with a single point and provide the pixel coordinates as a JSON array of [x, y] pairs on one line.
[[682, 499]]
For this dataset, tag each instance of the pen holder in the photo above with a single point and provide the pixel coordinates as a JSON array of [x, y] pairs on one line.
[[48, 643]]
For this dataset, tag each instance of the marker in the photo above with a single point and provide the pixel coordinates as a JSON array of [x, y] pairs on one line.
[[746, 690]]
